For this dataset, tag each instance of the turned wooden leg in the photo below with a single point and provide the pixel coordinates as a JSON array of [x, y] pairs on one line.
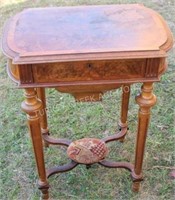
[[43, 114], [145, 100], [32, 105], [124, 108]]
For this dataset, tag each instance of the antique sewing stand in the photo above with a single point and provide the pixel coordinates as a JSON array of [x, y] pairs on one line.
[[86, 51]]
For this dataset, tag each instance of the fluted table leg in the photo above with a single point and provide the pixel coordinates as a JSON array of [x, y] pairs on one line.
[[124, 108], [145, 100], [43, 114], [32, 106]]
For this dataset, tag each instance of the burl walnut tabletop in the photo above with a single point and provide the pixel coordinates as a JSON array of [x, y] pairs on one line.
[[86, 51]]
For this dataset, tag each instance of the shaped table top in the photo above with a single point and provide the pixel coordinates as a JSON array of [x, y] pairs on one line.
[[55, 34]]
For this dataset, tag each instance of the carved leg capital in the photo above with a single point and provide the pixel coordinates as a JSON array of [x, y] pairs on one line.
[[32, 105], [146, 99]]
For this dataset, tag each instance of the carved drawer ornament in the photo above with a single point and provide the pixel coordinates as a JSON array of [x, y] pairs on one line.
[[87, 150]]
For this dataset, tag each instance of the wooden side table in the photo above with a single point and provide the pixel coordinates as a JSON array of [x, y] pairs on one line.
[[86, 51]]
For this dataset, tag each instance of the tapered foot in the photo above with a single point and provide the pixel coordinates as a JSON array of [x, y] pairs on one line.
[[44, 190], [136, 186]]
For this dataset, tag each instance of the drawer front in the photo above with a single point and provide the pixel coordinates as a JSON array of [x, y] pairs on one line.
[[89, 71]]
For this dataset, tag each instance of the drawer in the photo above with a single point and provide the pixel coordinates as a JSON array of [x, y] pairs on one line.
[[89, 71]]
